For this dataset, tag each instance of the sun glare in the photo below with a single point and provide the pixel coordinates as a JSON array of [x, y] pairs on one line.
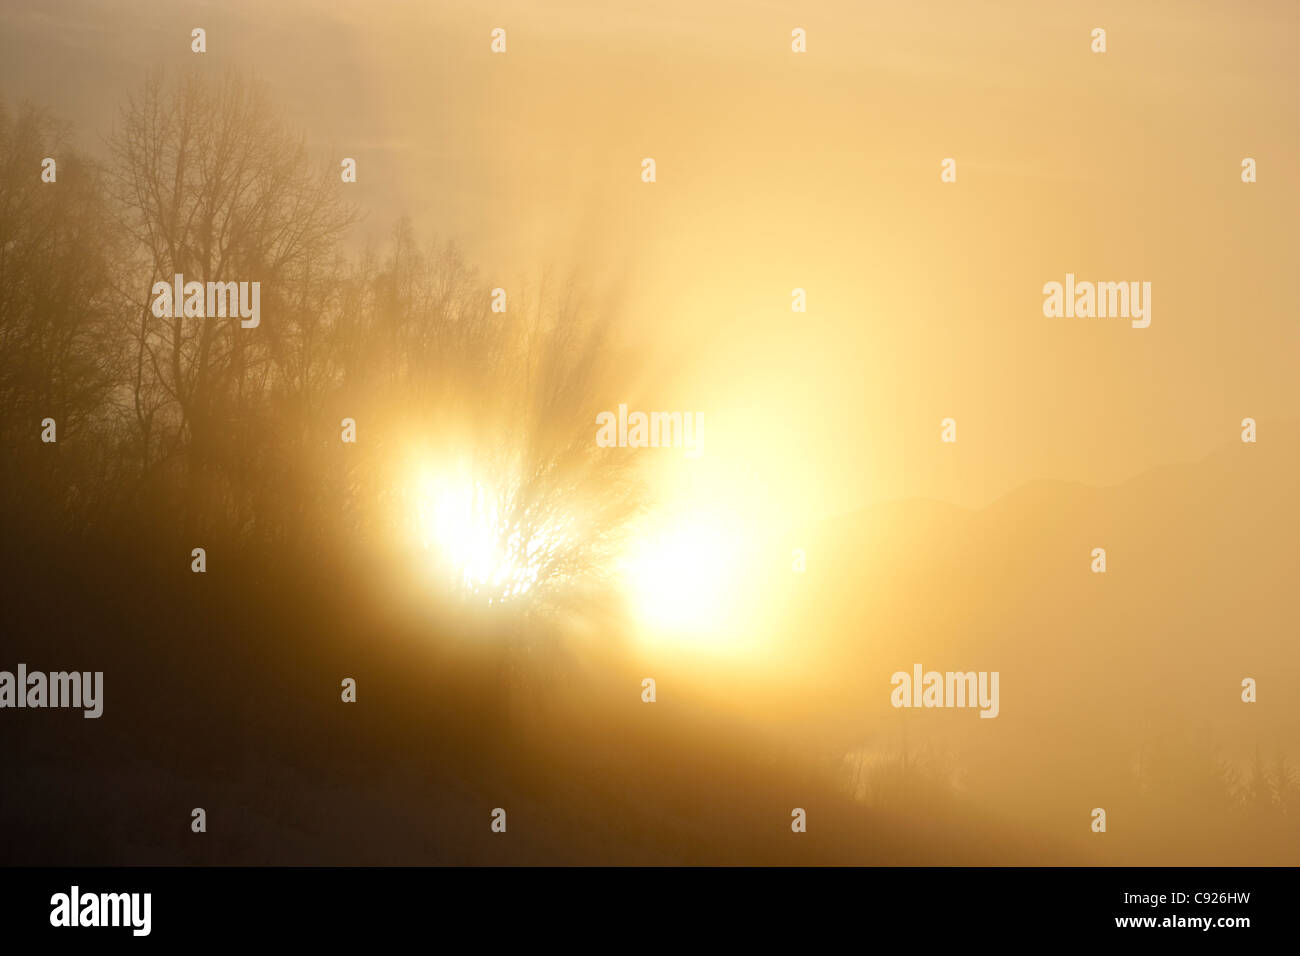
[[683, 579], [683, 570], [476, 543]]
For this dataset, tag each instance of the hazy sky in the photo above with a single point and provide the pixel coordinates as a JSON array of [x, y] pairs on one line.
[[818, 171]]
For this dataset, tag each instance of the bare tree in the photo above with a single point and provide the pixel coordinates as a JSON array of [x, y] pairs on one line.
[[59, 356], [502, 405], [236, 430], [212, 185]]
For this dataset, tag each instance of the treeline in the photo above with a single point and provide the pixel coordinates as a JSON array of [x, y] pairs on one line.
[[215, 432]]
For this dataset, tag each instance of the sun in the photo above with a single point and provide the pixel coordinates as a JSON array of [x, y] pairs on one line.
[[684, 577], [685, 570], [475, 539]]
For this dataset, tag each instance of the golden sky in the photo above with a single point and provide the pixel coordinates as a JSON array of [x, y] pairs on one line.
[[821, 430], [818, 171]]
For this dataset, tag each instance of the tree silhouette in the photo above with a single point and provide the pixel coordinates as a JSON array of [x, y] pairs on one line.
[[212, 185], [200, 426], [59, 309]]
